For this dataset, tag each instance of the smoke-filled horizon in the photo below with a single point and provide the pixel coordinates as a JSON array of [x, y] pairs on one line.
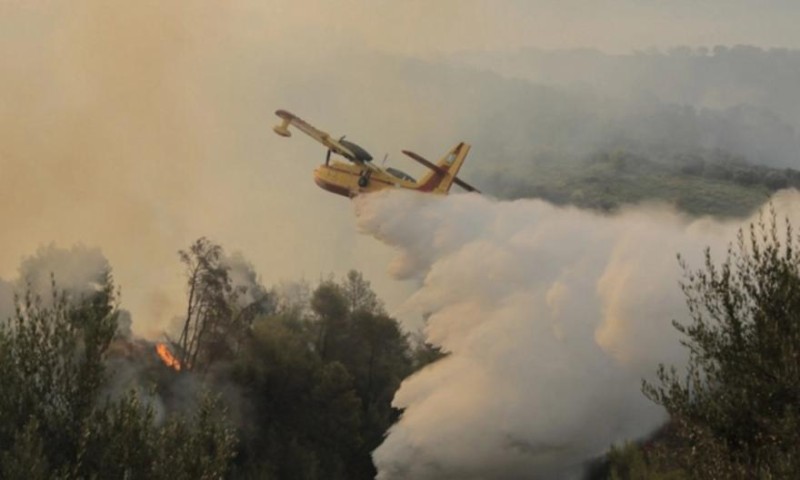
[[139, 128], [552, 317]]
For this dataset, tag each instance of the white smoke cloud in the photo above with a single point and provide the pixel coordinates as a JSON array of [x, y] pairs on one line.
[[76, 271], [552, 317]]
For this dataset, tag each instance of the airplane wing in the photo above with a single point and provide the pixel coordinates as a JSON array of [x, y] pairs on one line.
[[318, 135]]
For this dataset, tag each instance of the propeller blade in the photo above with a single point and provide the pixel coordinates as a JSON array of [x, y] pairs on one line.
[[328, 157]]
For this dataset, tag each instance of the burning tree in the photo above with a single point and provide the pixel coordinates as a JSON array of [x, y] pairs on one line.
[[219, 311]]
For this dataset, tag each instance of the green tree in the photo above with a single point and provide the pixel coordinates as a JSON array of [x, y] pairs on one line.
[[736, 411], [359, 294], [371, 346], [330, 307], [52, 371], [630, 462], [306, 414], [321, 378]]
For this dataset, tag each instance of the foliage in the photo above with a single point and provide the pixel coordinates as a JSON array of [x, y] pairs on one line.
[[632, 462], [735, 414], [698, 182], [55, 421], [302, 407], [358, 293], [320, 380]]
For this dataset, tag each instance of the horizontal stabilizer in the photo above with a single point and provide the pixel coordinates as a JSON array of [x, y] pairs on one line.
[[426, 162], [440, 170], [466, 186]]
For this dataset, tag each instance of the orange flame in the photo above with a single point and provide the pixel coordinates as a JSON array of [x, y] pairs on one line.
[[166, 356]]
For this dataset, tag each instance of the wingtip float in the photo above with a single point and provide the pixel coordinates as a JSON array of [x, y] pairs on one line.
[[359, 175], [283, 128]]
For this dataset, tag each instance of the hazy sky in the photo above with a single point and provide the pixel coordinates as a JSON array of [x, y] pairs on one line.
[[139, 126], [420, 27]]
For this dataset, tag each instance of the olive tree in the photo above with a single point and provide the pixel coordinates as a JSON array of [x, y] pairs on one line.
[[735, 412]]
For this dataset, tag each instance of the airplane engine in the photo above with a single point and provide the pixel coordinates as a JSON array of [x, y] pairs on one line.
[[360, 154]]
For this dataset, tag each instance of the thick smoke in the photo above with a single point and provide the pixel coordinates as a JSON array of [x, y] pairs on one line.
[[738, 100], [552, 317], [142, 127], [719, 77], [76, 272]]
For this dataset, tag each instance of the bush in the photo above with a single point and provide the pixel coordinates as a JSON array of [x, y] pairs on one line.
[[736, 411]]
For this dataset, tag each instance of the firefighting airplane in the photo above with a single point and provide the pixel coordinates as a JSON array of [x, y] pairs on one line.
[[360, 175]]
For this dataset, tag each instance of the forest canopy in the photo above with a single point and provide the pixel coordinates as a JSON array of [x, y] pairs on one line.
[[255, 384]]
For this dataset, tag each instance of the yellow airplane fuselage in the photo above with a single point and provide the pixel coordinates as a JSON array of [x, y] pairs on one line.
[[361, 176], [343, 179]]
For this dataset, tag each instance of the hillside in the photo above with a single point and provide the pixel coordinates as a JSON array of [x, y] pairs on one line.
[[708, 130], [705, 183]]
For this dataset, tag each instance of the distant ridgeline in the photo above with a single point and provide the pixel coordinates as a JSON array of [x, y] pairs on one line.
[[699, 183]]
